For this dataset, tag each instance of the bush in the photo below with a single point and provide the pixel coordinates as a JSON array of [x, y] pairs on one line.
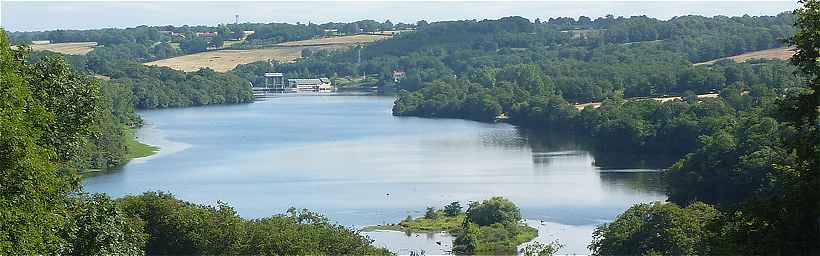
[[494, 210]]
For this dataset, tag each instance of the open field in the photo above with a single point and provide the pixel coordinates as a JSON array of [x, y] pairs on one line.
[[776, 53], [80, 48], [225, 60], [343, 40], [660, 99]]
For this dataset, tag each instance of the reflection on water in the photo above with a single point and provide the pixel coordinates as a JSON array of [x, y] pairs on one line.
[[350, 159], [435, 243]]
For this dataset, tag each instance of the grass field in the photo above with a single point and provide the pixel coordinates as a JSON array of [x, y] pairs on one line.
[[339, 40], [225, 60], [80, 48], [776, 53], [594, 105], [137, 149]]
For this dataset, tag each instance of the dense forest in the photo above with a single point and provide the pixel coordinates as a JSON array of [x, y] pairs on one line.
[[751, 189]]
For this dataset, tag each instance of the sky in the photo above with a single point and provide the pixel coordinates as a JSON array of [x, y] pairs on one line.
[[43, 15]]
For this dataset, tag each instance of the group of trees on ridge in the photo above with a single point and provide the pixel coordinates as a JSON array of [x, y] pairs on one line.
[[148, 43]]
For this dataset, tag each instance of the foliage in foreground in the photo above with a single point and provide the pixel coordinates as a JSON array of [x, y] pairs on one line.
[[176, 227]]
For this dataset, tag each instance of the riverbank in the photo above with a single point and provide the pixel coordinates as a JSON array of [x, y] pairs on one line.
[[422, 225], [137, 149]]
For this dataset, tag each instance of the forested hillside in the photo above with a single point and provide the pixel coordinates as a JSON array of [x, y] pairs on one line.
[[592, 61], [148, 43]]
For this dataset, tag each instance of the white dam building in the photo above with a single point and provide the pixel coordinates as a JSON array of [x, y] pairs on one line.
[[311, 85]]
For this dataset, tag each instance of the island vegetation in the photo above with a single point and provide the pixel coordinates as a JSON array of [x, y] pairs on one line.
[[491, 227]]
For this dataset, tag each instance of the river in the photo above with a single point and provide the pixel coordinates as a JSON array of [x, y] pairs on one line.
[[347, 157]]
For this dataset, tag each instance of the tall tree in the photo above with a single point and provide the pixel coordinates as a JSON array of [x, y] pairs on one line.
[[802, 181], [46, 110]]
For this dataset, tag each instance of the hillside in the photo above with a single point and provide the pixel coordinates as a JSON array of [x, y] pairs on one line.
[[781, 53], [225, 60]]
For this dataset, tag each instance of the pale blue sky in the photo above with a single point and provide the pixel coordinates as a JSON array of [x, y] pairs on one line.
[[30, 16]]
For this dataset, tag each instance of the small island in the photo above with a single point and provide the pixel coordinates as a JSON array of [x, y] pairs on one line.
[[491, 227]]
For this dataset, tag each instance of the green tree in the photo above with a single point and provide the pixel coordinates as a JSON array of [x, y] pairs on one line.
[[493, 210], [802, 179], [194, 45], [431, 213], [466, 242], [453, 209], [98, 227], [46, 112], [657, 229]]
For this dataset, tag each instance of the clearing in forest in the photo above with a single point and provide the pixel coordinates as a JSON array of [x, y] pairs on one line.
[[79, 48], [225, 60], [770, 54]]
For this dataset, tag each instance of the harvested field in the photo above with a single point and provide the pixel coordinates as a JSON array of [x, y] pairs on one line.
[[594, 105], [80, 48], [225, 60], [343, 40], [776, 54]]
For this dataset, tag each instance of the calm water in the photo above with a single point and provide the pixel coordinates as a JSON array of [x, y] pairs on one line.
[[350, 159]]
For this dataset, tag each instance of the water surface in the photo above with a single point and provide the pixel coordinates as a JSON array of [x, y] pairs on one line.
[[350, 159]]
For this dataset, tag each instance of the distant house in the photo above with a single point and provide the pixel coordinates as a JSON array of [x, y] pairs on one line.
[[311, 85], [398, 75], [247, 33], [38, 42], [172, 34], [207, 34]]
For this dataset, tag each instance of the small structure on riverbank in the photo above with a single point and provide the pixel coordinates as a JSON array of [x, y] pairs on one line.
[[311, 85]]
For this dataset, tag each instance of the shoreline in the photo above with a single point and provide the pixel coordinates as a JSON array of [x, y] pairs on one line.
[[137, 149]]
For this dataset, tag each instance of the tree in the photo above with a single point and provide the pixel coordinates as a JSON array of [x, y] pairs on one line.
[[98, 227], [802, 179], [466, 242], [431, 213], [538, 249], [493, 210], [194, 45], [658, 229], [47, 110], [452, 209]]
